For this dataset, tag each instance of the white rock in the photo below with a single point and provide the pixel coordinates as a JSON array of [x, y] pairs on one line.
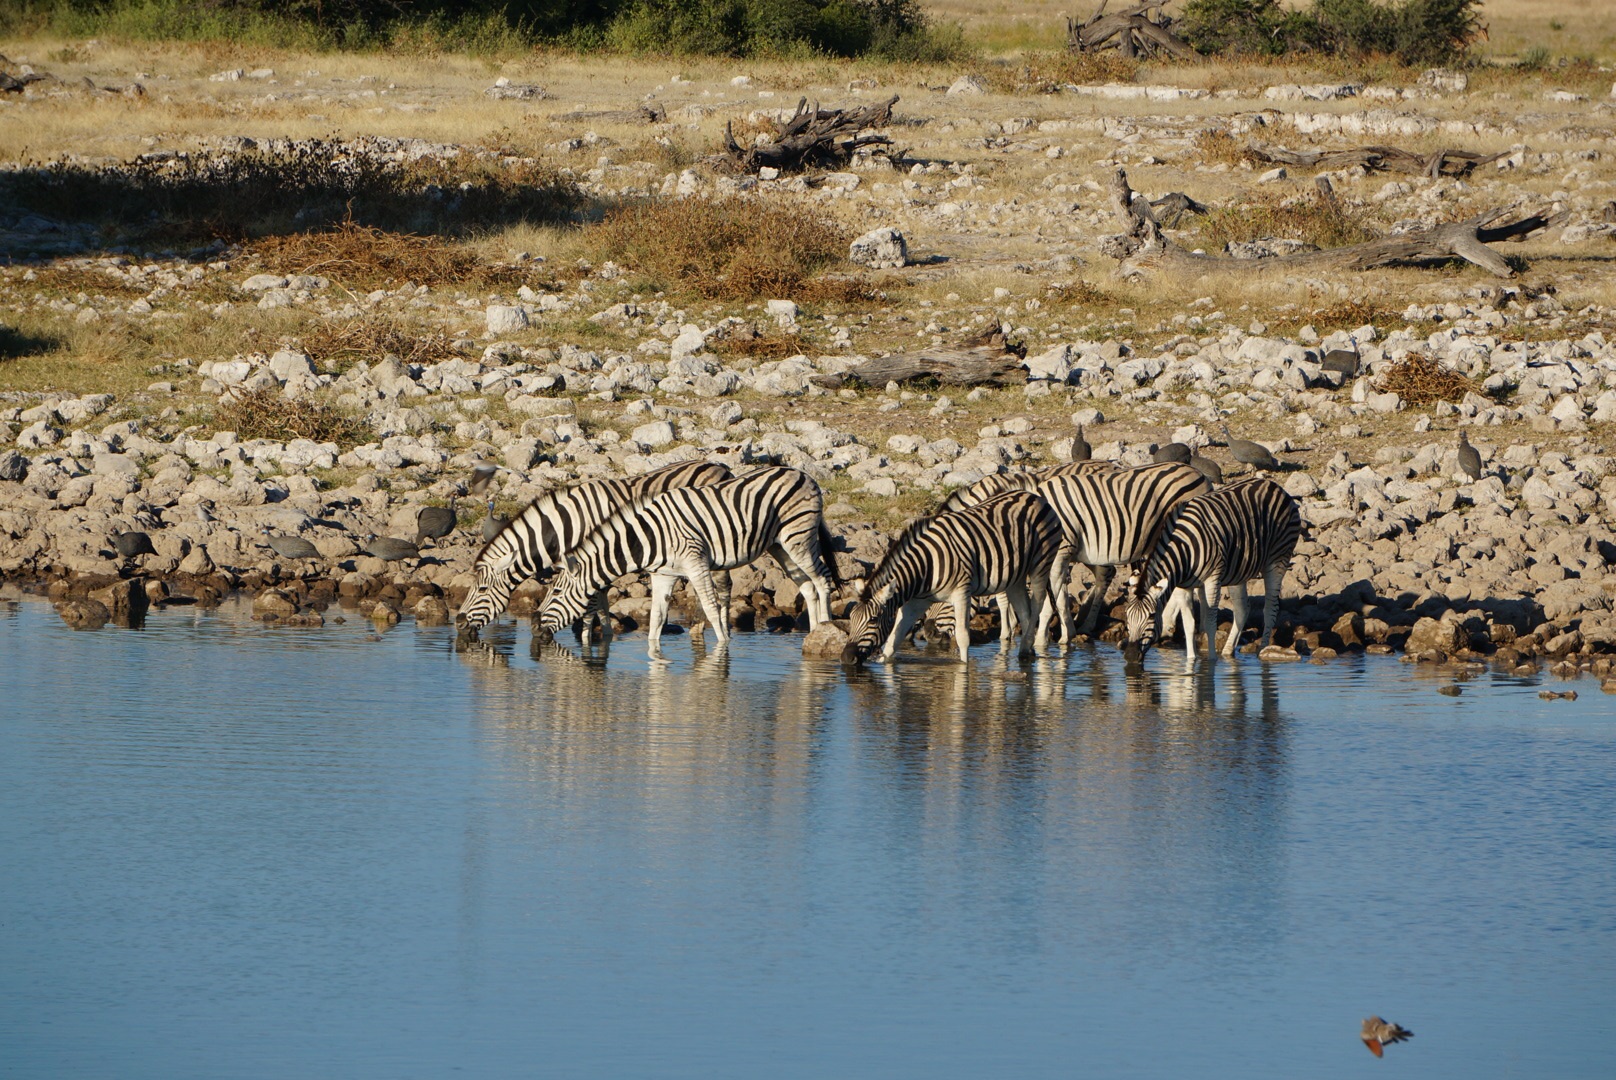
[[690, 340], [264, 282], [657, 434], [289, 364], [506, 319], [1272, 176], [784, 311], [966, 84], [880, 249], [741, 80], [1054, 365]]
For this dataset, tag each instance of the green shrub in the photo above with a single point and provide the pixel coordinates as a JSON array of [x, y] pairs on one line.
[[1414, 32]]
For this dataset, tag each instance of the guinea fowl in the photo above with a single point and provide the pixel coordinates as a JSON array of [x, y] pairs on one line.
[[435, 522], [1247, 452], [132, 545], [1469, 458], [1173, 451], [290, 547], [1207, 468], [391, 549], [1081, 451], [493, 524]]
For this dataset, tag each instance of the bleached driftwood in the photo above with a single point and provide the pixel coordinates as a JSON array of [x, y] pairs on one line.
[[1142, 245]]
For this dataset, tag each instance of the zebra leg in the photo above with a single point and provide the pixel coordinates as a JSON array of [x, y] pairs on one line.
[[815, 588], [661, 593], [1096, 599], [1272, 577], [1023, 595], [1211, 594], [1007, 624], [701, 583], [961, 602], [1237, 607], [908, 615]]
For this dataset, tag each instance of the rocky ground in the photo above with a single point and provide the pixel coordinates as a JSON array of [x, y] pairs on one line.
[[1000, 200]]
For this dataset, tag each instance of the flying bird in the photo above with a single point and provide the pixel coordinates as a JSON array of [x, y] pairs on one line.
[[1377, 1033]]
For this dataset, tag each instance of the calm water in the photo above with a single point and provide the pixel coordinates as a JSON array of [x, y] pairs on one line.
[[234, 851]]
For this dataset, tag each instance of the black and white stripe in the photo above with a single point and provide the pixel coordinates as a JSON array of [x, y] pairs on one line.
[[690, 532], [537, 540], [1243, 531], [1111, 518], [1004, 545]]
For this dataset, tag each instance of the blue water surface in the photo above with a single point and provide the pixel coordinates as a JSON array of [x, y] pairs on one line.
[[230, 850]]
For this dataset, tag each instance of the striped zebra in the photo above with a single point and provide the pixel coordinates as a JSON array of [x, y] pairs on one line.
[[1110, 517], [536, 542], [940, 619], [691, 531], [1003, 545], [1246, 530]]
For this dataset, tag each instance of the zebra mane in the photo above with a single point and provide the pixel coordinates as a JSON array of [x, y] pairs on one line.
[[900, 544]]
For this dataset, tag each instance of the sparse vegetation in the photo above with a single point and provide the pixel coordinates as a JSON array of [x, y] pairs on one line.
[[266, 413], [1419, 380], [726, 249], [1308, 218], [337, 344], [366, 257]]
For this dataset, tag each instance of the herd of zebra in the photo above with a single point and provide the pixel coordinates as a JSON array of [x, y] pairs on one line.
[[1017, 536]]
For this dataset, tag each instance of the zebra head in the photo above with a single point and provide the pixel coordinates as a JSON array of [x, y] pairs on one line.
[[1142, 616], [497, 576], [569, 599], [869, 623]]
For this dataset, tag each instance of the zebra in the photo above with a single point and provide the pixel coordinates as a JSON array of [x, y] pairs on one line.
[[1246, 530], [690, 532], [1110, 517], [535, 543], [940, 619], [1004, 545]]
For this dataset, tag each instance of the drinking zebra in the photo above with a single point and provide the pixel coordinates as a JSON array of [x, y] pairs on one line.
[[690, 532], [1110, 517], [1004, 545], [940, 620], [536, 542], [1243, 531]]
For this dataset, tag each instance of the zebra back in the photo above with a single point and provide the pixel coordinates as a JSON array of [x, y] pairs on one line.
[[1115, 516], [538, 539], [731, 523], [984, 548], [1237, 532], [1016, 480]]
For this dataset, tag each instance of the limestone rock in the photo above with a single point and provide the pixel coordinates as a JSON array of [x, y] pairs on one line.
[[83, 614], [1440, 635], [825, 641], [880, 249], [506, 319]]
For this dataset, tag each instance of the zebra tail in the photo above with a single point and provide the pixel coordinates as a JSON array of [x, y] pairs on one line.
[[827, 552]]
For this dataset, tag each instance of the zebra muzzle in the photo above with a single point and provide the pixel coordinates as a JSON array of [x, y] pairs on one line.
[[852, 655]]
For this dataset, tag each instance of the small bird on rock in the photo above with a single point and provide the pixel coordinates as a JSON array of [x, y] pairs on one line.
[[1469, 459], [1343, 360], [290, 547], [1247, 452], [1081, 451], [1377, 1033]]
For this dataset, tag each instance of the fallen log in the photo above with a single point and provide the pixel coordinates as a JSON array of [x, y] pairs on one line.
[[1133, 33], [1375, 158], [1142, 246], [813, 138], [640, 114], [974, 365]]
